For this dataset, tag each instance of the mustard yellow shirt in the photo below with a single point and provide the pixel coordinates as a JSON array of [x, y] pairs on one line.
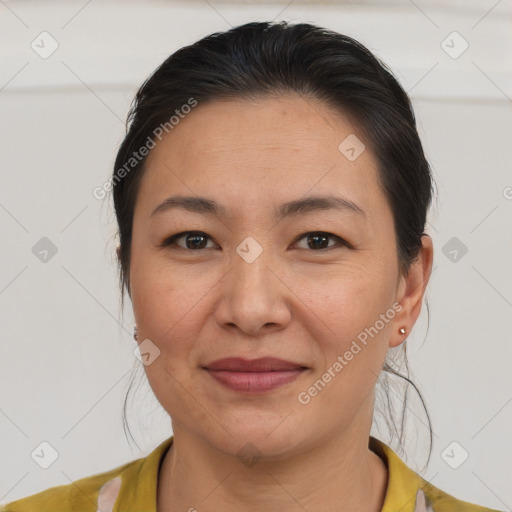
[[132, 487]]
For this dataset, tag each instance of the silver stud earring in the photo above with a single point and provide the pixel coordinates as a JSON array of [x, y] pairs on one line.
[[401, 330], [135, 332]]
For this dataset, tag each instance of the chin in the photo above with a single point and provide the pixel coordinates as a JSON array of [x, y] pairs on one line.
[[252, 440]]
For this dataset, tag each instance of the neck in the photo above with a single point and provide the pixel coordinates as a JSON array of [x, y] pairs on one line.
[[341, 474]]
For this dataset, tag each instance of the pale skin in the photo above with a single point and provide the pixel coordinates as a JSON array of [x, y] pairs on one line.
[[295, 301]]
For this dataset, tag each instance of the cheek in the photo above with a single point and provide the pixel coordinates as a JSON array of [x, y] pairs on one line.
[[350, 352], [164, 295], [347, 296], [167, 306], [354, 306], [171, 306]]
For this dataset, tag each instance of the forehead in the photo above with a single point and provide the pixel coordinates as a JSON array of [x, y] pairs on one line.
[[252, 152]]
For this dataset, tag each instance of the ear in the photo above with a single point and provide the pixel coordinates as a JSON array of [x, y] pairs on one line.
[[411, 290], [118, 252]]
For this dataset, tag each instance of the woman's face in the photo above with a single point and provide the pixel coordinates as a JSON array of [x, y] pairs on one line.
[[255, 283]]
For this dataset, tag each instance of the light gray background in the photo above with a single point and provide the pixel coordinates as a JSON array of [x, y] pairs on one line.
[[66, 361]]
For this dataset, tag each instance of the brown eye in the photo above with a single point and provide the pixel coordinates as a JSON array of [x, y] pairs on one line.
[[194, 240], [319, 241]]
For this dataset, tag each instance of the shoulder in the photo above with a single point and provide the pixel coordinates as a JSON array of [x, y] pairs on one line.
[[409, 492], [133, 484], [432, 499], [84, 495]]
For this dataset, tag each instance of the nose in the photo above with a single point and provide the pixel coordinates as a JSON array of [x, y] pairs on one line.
[[253, 298]]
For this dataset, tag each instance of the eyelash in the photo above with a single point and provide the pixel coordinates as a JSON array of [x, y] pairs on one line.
[[172, 239]]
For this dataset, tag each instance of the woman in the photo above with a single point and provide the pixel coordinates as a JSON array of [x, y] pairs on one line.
[[271, 195]]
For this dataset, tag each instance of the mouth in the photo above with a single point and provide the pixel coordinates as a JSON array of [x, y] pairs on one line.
[[256, 375]]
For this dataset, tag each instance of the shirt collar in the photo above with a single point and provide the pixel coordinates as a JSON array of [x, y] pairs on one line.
[[403, 482], [140, 481]]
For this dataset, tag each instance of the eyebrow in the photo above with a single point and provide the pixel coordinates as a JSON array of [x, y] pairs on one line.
[[206, 206]]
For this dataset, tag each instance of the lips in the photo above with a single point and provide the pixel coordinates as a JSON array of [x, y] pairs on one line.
[[254, 376], [263, 364]]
